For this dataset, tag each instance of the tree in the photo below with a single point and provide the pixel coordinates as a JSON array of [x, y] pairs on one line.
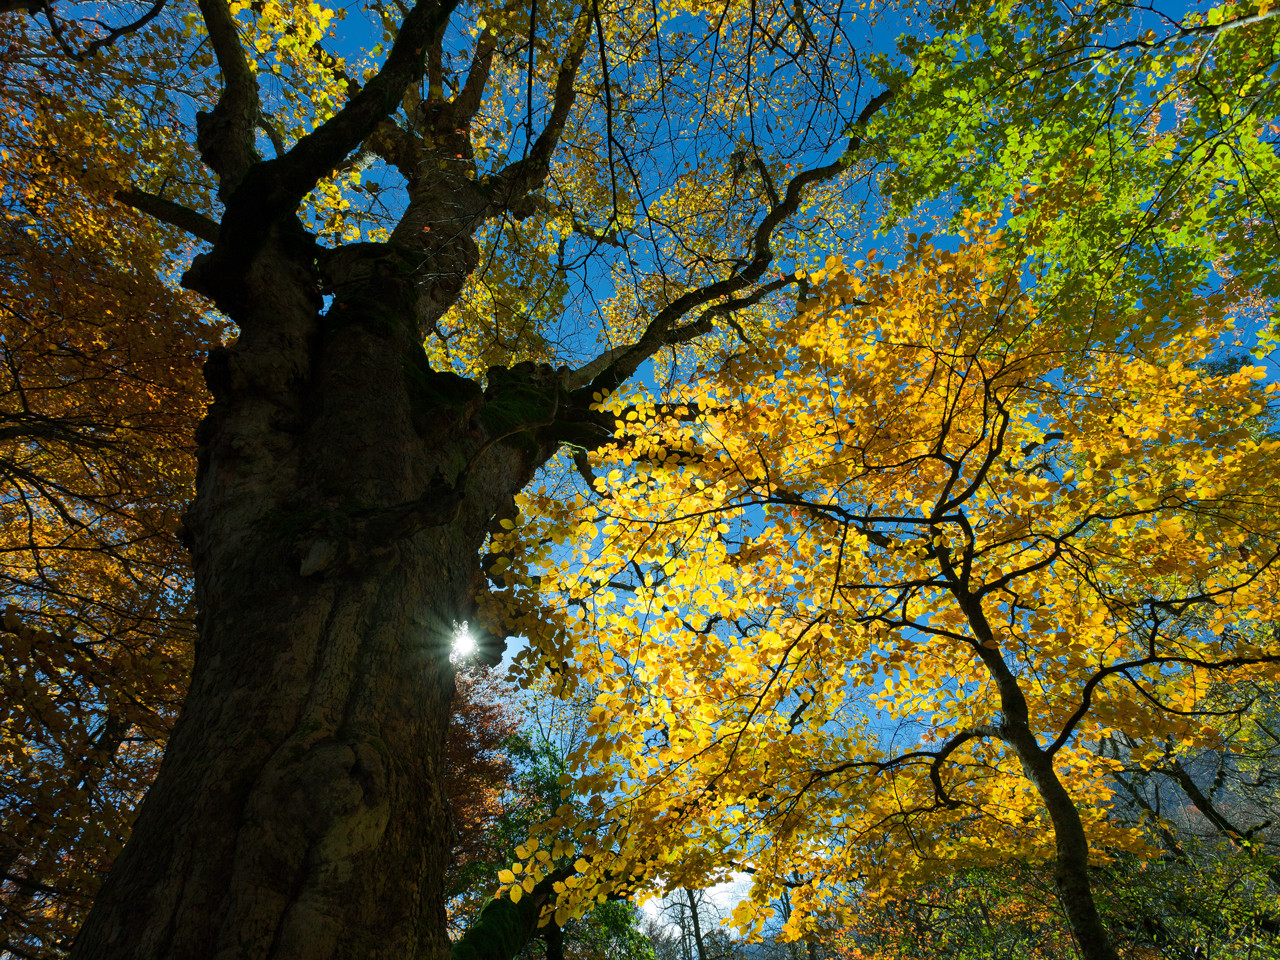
[[347, 478], [1198, 889], [99, 395], [1131, 147], [355, 490], [685, 924], [609, 931], [481, 775], [1209, 814], [971, 913], [1011, 536], [1053, 119], [535, 791]]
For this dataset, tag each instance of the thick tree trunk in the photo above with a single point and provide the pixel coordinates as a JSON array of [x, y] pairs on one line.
[[344, 495]]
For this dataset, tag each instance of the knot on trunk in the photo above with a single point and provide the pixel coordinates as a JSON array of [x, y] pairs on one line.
[[320, 805], [528, 405]]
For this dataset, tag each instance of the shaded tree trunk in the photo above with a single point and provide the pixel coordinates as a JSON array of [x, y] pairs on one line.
[[344, 493]]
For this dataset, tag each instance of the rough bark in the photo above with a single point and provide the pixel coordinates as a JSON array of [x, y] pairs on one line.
[[344, 493]]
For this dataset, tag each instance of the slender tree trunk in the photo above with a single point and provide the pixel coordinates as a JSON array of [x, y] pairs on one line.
[[344, 494], [784, 900], [1071, 868], [697, 924]]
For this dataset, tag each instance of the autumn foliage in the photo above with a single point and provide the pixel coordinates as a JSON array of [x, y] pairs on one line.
[[100, 391], [875, 587], [878, 570], [481, 771]]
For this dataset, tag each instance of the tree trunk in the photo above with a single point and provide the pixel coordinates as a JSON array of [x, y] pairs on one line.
[[344, 494], [1071, 869], [697, 924]]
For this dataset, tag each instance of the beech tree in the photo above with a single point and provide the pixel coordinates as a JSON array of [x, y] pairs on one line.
[[443, 235], [1206, 883], [743, 520], [1012, 536], [481, 775], [347, 477]]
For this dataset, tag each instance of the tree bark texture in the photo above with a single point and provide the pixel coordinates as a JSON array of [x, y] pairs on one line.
[[344, 494]]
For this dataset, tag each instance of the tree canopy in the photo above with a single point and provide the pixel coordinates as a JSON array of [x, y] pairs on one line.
[[946, 513], [881, 556]]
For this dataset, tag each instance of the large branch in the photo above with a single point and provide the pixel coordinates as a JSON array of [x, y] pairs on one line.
[[469, 98], [30, 428], [225, 135], [1240, 838], [704, 324], [271, 191], [504, 928], [1104, 673], [318, 153], [622, 363], [174, 214], [518, 180], [1206, 806]]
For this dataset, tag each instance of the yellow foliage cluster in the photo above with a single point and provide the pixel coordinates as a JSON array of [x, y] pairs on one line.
[[802, 587]]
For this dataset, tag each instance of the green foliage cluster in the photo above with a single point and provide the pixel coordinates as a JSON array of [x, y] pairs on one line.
[[1132, 150]]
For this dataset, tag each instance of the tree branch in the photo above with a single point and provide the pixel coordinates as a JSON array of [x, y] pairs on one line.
[[318, 153], [225, 135], [174, 214], [517, 180], [623, 362], [469, 98], [115, 33]]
